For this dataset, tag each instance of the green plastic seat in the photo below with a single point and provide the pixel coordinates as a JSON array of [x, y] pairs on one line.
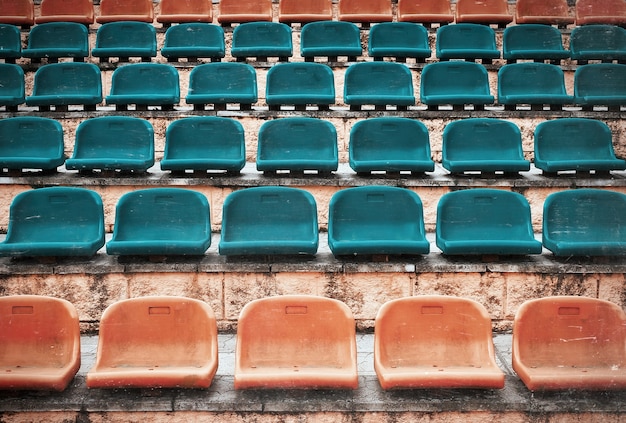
[[600, 84], [194, 40], [390, 144], [262, 40], [484, 145], [376, 220], [31, 143], [10, 43], [161, 221], [222, 83], [466, 41], [63, 84], [54, 222], [124, 40], [269, 220], [585, 222], [598, 42], [300, 84], [145, 84], [575, 144], [112, 143], [455, 83], [533, 41], [330, 39], [297, 144], [485, 221], [378, 83], [12, 88], [532, 83], [55, 40], [204, 143], [400, 40]]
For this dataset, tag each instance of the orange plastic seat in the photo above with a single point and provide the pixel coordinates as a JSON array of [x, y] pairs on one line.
[[17, 12], [549, 12], [435, 342], [483, 12], [425, 11], [296, 341], [125, 10], [80, 11], [156, 342], [365, 11], [568, 342], [39, 343], [304, 11], [185, 11], [239, 11], [600, 12]]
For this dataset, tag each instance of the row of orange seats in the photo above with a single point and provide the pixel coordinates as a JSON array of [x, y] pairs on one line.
[[299, 341]]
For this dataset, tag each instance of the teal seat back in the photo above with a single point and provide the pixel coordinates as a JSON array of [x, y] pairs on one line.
[[465, 40], [10, 42], [378, 78], [57, 36], [195, 34], [531, 78], [480, 139], [301, 81], [224, 79], [600, 83], [390, 143], [598, 42], [126, 34], [206, 136], [146, 79], [402, 39], [531, 41], [453, 79], [12, 89], [68, 79], [297, 144], [330, 38], [262, 39], [30, 139]]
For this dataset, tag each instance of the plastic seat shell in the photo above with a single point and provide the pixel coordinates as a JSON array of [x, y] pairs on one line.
[[17, 12], [125, 39], [222, 83], [483, 12], [12, 86], [304, 11], [240, 11], [262, 39], [600, 84], [455, 83], [67, 83], [300, 84], [31, 142], [533, 41], [611, 12], [425, 11], [145, 83], [547, 12], [330, 38], [185, 11], [378, 83], [467, 41], [532, 83], [598, 42], [125, 10], [365, 11], [194, 39], [10, 42], [79, 11], [398, 39], [57, 39]]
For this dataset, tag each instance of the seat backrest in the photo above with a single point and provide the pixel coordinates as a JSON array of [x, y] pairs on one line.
[[483, 11], [226, 78], [531, 37], [39, 332], [125, 10], [330, 35], [195, 35], [181, 11], [17, 12], [451, 78], [531, 78], [425, 11], [146, 78], [300, 79], [31, 137], [465, 36], [80, 11], [245, 11], [262, 34], [54, 35], [58, 79], [551, 12], [600, 79], [305, 11], [398, 35], [376, 78], [600, 12], [482, 139], [365, 11], [126, 34], [598, 42], [12, 87], [10, 42]]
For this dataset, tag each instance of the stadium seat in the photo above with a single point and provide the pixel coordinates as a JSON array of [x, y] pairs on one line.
[[222, 83], [296, 341], [390, 144], [12, 88], [365, 12], [39, 343], [426, 12], [156, 342], [466, 41], [456, 83], [570, 343], [17, 12], [63, 84], [376, 220], [240, 11], [297, 144], [125, 10], [532, 83], [435, 341], [204, 143], [262, 40], [54, 222], [400, 40], [304, 11], [535, 42], [10, 43], [576, 144], [161, 222], [378, 83], [106, 144], [483, 145], [55, 40], [269, 220], [600, 84], [124, 40], [79, 11], [489, 12], [485, 221], [585, 222], [611, 12], [598, 42], [193, 41], [144, 84], [185, 11], [330, 39], [546, 12], [300, 84], [31, 143]]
